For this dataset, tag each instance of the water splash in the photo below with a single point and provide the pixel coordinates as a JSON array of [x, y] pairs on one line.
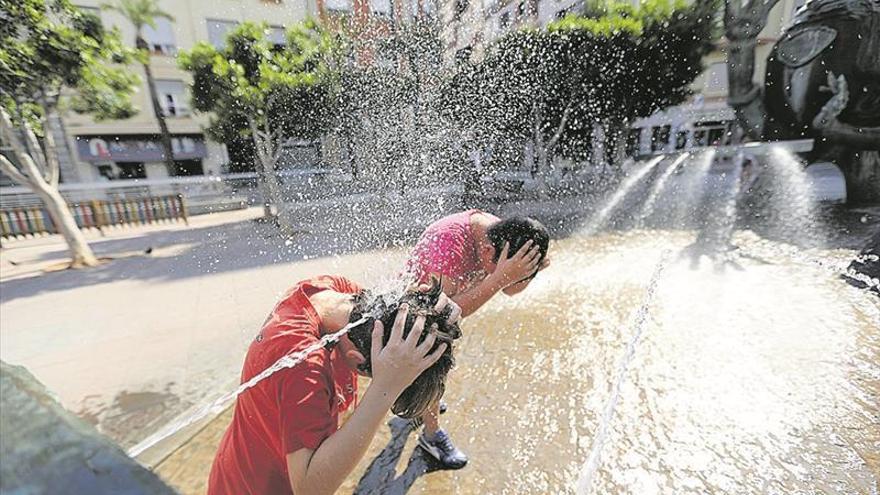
[[658, 188], [588, 471], [217, 406], [600, 219], [793, 205], [728, 214], [693, 186]]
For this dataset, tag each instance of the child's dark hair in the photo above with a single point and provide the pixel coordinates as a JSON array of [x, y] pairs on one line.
[[517, 231], [429, 386]]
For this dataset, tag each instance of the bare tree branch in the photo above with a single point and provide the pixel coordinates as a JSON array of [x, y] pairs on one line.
[[52, 169], [29, 168], [9, 169], [34, 148], [561, 127]]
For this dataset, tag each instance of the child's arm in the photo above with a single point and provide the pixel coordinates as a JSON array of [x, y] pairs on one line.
[[507, 272], [394, 367]]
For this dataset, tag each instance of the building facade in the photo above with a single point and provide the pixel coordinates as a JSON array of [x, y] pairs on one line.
[[129, 149]]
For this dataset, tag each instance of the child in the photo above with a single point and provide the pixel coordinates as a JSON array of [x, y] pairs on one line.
[[284, 436], [475, 255]]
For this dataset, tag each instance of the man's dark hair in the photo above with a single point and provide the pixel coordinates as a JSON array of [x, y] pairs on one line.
[[429, 386], [517, 231]]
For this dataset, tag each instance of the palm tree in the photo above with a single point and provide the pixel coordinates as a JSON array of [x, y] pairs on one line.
[[142, 13]]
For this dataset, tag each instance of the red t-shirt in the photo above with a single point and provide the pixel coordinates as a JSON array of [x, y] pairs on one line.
[[293, 409]]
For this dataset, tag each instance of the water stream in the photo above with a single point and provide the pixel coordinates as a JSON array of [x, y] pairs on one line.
[[217, 406], [595, 457], [658, 188], [620, 194]]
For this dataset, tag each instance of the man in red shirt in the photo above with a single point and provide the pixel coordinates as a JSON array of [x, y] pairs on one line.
[[284, 437]]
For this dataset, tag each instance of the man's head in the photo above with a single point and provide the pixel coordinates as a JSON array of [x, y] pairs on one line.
[[514, 231], [430, 385]]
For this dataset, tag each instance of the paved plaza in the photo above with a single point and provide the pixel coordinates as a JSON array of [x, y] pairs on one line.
[[135, 342]]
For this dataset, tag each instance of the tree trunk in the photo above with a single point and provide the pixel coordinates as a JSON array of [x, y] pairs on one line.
[[269, 184], [164, 135], [80, 253]]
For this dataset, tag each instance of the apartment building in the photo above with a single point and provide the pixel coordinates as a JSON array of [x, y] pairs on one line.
[[127, 149]]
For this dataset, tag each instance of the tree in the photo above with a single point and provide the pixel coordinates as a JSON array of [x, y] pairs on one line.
[[270, 93], [613, 64], [51, 51], [388, 110], [142, 13]]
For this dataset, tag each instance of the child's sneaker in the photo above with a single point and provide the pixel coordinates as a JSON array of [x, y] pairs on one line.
[[441, 448]]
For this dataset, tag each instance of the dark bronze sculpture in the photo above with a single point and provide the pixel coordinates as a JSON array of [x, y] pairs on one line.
[[822, 82]]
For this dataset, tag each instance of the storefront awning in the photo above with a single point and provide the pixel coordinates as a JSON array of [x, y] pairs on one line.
[[97, 149]]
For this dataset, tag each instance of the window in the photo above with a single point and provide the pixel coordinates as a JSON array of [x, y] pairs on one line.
[[681, 138], [338, 5], [218, 30], [660, 137], [712, 133], [161, 39], [633, 138], [188, 167], [380, 7], [132, 170], [504, 21], [277, 35], [172, 97]]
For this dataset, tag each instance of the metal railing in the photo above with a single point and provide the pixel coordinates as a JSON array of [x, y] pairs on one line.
[[97, 214]]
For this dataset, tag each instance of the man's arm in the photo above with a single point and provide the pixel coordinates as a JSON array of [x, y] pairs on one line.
[[394, 367]]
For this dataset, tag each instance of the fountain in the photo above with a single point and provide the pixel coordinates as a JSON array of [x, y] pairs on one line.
[[821, 83]]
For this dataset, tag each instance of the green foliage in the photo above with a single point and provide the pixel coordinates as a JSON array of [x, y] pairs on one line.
[[47, 46], [285, 88], [139, 13]]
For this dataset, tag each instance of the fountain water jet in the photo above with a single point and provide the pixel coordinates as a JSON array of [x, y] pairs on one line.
[[792, 204], [599, 220], [693, 185], [216, 407], [594, 458], [658, 188]]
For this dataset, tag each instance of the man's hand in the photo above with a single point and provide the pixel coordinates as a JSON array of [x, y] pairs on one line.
[[401, 361], [520, 266]]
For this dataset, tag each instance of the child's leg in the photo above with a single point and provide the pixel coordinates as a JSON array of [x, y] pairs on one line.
[[431, 419]]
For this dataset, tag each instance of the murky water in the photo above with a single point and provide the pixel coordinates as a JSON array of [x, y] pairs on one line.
[[760, 381], [764, 380]]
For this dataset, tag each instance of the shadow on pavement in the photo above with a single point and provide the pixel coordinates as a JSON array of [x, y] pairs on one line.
[[381, 476], [195, 252]]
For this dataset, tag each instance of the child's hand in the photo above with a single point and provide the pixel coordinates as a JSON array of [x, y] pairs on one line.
[[401, 361], [518, 267]]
